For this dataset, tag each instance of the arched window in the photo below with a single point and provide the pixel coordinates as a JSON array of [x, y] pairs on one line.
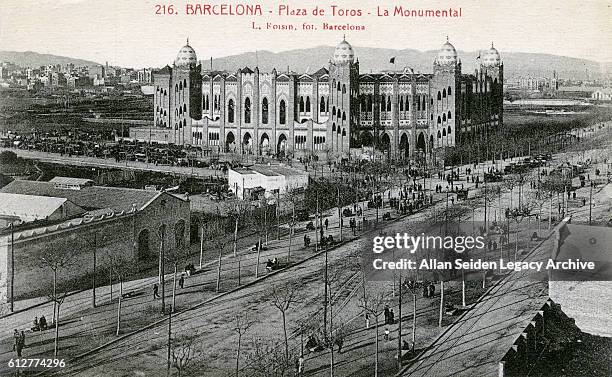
[[449, 92], [424, 108], [439, 95], [264, 111], [282, 112], [401, 103], [449, 130], [185, 108], [382, 102], [307, 104], [343, 88], [247, 110], [443, 117], [230, 111], [338, 88], [180, 111], [439, 120], [344, 116], [322, 105], [334, 111], [449, 115], [407, 106], [439, 135], [301, 104], [389, 103], [180, 86], [418, 103], [443, 93], [444, 132], [176, 87], [185, 83]]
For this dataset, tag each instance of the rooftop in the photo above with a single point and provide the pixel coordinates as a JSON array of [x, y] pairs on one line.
[[90, 197], [29, 207]]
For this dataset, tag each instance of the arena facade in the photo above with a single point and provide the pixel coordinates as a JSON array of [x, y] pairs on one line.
[[334, 112]]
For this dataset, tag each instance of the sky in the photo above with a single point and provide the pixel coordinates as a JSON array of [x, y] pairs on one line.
[[129, 33]]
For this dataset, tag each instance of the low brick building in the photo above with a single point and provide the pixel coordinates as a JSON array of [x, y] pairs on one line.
[[119, 223]]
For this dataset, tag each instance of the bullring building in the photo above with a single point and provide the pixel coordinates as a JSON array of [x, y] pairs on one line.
[[336, 111]]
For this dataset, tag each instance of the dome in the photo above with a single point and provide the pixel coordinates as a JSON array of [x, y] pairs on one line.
[[344, 53], [186, 56], [492, 57], [447, 54]]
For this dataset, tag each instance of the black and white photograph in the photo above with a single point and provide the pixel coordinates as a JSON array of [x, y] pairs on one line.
[[295, 188]]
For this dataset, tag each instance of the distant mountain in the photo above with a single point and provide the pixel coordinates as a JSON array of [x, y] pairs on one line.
[[377, 59], [34, 59]]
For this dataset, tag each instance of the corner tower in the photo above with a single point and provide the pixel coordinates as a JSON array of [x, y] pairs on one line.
[[343, 93]]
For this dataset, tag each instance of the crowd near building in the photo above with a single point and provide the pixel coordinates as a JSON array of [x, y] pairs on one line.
[[337, 111], [91, 224]]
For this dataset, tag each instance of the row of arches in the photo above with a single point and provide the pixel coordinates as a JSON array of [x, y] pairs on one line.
[[444, 93], [231, 111]]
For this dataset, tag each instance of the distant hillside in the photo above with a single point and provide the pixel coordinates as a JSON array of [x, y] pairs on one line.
[[34, 60], [377, 59]]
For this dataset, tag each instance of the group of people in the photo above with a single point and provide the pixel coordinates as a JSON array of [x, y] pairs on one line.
[[40, 324], [429, 290], [272, 264]]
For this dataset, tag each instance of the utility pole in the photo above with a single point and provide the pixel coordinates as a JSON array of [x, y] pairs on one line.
[[93, 279], [339, 214], [399, 326], [169, 342], [162, 267], [13, 267], [590, 203]]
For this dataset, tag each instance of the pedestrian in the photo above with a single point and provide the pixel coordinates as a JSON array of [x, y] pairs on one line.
[[155, 291], [182, 281], [326, 224], [16, 339], [22, 339], [386, 333], [367, 320], [339, 343], [386, 315], [301, 365], [391, 317]]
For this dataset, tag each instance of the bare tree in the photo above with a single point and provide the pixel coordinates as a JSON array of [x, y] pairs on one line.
[[121, 268], [293, 197], [58, 299], [236, 211], [518, 214], [242, 324], [373, 304], [268, 359], [175, 256], [185, 350], [55, 256], [282, 298]]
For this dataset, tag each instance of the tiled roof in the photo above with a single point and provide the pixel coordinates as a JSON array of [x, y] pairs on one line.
[[91, 197]]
